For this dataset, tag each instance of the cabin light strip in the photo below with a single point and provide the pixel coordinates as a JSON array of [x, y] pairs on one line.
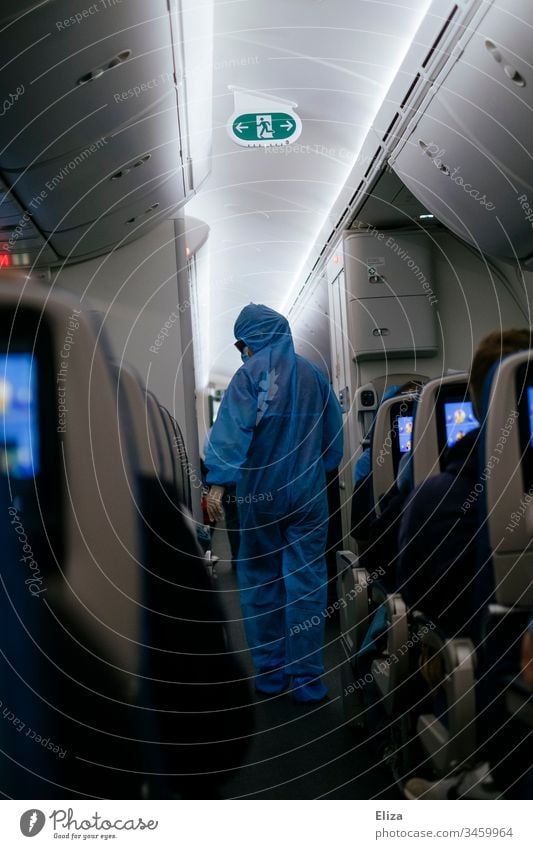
[[297, 282]]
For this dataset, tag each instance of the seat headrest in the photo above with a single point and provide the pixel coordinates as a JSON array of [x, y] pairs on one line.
[[82, 481], [392, 438], [443, 413]]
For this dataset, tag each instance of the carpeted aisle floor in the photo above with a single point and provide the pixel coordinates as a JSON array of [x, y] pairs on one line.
[[301, 752]]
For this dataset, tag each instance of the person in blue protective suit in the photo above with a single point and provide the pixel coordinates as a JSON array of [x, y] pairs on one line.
[[277, 433]]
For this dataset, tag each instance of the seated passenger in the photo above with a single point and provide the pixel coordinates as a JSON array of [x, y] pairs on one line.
[[439, 528]]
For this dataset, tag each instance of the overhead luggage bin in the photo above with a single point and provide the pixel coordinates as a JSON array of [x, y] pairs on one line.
[[120, 226], [83, 75], [106, 102], [468, 157], [82, 185]]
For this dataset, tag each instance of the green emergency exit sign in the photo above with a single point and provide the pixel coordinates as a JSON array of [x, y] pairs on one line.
[[265, 129]]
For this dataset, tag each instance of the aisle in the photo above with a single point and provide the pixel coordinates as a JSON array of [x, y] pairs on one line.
[[301, 752]]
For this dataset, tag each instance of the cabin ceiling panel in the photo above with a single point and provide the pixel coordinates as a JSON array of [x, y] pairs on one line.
[[264, 208]]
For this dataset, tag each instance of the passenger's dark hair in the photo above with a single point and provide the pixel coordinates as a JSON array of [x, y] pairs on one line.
[[412, 386], [490, 350]]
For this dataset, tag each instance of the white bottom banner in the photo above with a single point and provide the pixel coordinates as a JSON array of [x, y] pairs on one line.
[[241, 824]]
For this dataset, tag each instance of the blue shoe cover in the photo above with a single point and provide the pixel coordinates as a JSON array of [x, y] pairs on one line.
[[308, 690], [272, 681]]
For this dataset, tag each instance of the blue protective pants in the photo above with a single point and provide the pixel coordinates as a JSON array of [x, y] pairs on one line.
[[282, 577]]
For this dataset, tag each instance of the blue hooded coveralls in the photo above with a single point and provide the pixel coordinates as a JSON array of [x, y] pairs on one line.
[[278, 430]]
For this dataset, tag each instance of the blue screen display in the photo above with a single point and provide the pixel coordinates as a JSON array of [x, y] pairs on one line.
[[530, 406], [19, 428], [405, 433], [460, 419]]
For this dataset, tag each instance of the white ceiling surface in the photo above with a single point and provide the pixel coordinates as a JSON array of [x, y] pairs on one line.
[[265, 207]]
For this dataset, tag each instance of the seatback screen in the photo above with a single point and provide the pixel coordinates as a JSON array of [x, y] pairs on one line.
[[405, 433], [460, 419], [19, 427], [400, 436]]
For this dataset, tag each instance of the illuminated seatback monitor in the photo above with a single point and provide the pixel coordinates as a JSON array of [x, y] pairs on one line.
[[405, 433], [400, 436], [19, 425], [460, 420]]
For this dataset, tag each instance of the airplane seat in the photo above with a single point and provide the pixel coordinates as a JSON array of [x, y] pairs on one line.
[[378, 465], [71, 591], [474, 679], [140, 421], [447, 728], [504, 589], [390, 669], [507, 458], [160, 447], [187, 659], [443, 413], [354, 616], [367, 407], [91, 670], [180, 461], [201, 708], [141, 427], [431, 415], [392, 441]]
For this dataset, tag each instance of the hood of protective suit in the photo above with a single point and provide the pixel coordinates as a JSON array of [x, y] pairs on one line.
[[260, 327]]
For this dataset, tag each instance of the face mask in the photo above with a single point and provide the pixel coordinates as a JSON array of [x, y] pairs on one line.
[[241, 347]]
